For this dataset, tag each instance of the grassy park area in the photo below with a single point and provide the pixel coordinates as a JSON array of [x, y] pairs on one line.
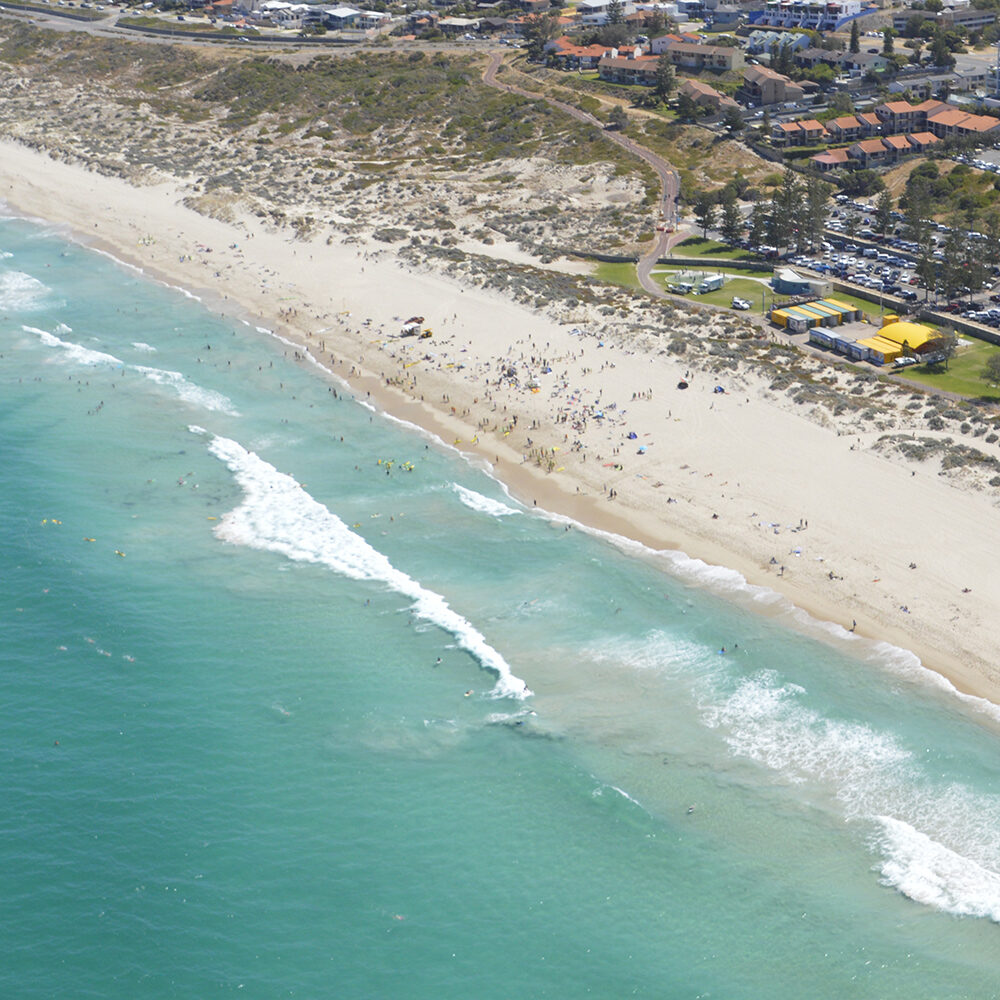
[[963, 373], [753, 291], [698, 246], [617, 274]]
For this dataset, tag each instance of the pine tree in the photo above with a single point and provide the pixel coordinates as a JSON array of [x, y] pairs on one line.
[[940, 53], [855, 46], [784, 221], [883, 213], [704, 212], [813, 222], [733, 121], [687, 110], [664, 80], [759, 225], [731, 223]]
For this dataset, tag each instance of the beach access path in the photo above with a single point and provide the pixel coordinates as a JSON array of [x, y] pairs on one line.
[[670, 183]]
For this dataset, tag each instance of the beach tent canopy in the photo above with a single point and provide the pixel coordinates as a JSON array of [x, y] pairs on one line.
[[915, 335]]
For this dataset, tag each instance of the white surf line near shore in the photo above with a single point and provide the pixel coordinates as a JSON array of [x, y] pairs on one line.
[[727, 583], [278, 515], [937, 838], [731, 585], [187, 390], [20, 292], [481, 504]]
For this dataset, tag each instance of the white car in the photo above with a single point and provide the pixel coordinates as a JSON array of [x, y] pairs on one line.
[[739, 303]]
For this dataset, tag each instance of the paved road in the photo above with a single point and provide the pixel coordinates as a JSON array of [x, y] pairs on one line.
[[670, 184]]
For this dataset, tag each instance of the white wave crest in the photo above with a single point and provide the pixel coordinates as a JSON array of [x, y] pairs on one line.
[[20, 292], [189, 391], [76, 352], [765, 722], [209, 399], [278, 515], [140, 345], [484, 505], [940, 841], [929, 873]]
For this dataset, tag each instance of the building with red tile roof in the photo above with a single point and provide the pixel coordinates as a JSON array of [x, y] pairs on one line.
[[636, 69], [705, 96]]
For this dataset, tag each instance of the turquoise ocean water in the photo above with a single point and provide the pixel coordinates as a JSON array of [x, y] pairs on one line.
[[233, 765]]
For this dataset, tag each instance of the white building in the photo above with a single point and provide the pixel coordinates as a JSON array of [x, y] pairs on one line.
[[816, 15], [341, 17], [596, 11], [283, 14]]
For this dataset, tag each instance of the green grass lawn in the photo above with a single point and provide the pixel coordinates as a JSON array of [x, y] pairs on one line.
[[617, 274], [744, 288], [709, 267], [963, 372], [869, 308], [698, 246]]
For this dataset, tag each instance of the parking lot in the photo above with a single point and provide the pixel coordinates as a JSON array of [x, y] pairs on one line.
[[890, 267], [879, 270]]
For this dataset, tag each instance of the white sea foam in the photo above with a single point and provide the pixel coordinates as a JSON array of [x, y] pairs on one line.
[[303, 353], [732, 585], [764, 720], [484, 505], [625, 795], [140, 346], [189, 391], [75, 352], [278, 515], [209, 399], [940, 841], [929, 873], [20, 292]]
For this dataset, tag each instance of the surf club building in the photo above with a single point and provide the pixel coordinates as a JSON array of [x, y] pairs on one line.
[[824, 319]]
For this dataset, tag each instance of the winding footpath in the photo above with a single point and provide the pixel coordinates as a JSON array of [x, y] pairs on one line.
[[670, 184]]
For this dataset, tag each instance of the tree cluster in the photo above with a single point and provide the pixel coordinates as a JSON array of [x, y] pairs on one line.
[[795, 215], [966, 260]]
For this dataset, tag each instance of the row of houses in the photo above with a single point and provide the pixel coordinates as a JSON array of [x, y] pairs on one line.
[[849, 63], [595, 12], [919, 124], [761, 86], [283, 14], [968, 17], [816, 15], [876, 152], [942, 119], [632, 65], [706, 97]]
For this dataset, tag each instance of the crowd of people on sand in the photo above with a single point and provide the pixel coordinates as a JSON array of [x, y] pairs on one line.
[[519, 393]]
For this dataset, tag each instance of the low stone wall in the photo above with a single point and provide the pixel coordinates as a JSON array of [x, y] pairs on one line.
[[707, 263], [961, 325]]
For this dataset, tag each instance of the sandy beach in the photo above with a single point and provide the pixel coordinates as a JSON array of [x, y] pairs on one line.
[[796, 501]]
